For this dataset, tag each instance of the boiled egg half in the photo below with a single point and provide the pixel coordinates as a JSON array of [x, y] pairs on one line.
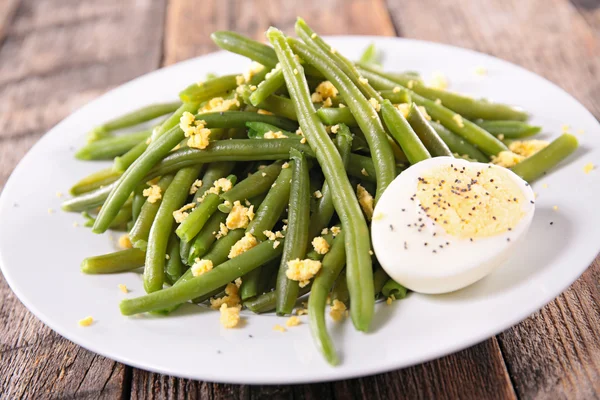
[[445, 223]]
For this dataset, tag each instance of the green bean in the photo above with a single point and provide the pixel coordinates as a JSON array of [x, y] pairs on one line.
[[120, 261], [393, 288], [160, 147], [380, 277], [256, 184], [132, 118], [257, 130], [244, 46], [266, 301], [535, 166], [109, 148], [332, 116], [332, 265], [340, 289], [266, 217], [174, 268], [194, 222], [200, 285], [230, 150], [184, 251], [296, 234], [436, 146], [141, 228], [344, 199], [278, 105], [196, 219], [370, 56], [214, 172], [203, 91], [123, 162], [90, 200], [173, 199], [138, 201], [466, 106], [509, 129], [324, 210], [457, 144], [346, 66], [363, 112], [474, 134], [269, 86], [397, 96], [206, 237], [94, 181], [404, 134]]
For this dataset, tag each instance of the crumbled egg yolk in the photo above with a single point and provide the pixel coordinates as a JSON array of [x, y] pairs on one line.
[[239, 216], [254, 69], [243, 245], [375, 104], [125, 242], [481, 71], [260, 110], [507, 159], [153, 193], [318, 194], [231, 298], [218, 104], [123, 288], [320, 245], [230, 316], [470, 203], [589, 167], [438, 81], [335, 128], [276, 244], [181, 214], [324, 92], [285, 165], [396, 89], [365, 200], [362, 80], [201, 266], [459, 120], [335, 230], [195, 186], [196, 131], [301, 311], [527, 148], [337, 310], [273, 235], [279, 328], [219, 186], [87, 321], [404, 108], [364, 172], [274, 135], [292, 321], [302, 270], [223, 231]]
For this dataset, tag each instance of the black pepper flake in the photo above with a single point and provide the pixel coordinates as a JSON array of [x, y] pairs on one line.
[[470, 239], [405, 246], [404, 209], [447, 243], [425, 243], [250, 336], [532, 202], [494, 218], [391, 227], [508, 239], [510, 229], [218, 351], [551, 223], [434, 233], [16, 205], [434, 251]]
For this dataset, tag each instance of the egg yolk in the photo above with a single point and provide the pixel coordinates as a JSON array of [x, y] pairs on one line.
[[470, 202]]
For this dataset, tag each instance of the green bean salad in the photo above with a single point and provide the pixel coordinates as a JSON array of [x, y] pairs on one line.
[[255, 191]]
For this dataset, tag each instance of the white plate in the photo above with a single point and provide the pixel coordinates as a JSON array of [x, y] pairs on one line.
[[40, 253]]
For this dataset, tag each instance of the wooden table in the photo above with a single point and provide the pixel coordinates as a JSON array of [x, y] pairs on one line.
[[57, 55]]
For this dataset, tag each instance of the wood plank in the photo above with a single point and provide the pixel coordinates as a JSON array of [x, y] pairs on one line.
[[57, 56], [556, 353], [330, 17], [475, 373]]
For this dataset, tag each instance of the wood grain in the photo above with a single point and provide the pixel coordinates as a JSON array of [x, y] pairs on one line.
[[57, 56], [556, 353]]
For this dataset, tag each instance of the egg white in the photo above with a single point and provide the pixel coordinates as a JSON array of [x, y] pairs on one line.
[[414, 258]]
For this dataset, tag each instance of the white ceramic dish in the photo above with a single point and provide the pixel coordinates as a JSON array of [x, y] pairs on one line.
[[40, 252]]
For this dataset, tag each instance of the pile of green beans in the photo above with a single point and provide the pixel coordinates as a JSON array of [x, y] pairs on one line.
[[279, 172]]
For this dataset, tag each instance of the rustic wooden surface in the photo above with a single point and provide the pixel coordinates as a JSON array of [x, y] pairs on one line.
[[56, 55]]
